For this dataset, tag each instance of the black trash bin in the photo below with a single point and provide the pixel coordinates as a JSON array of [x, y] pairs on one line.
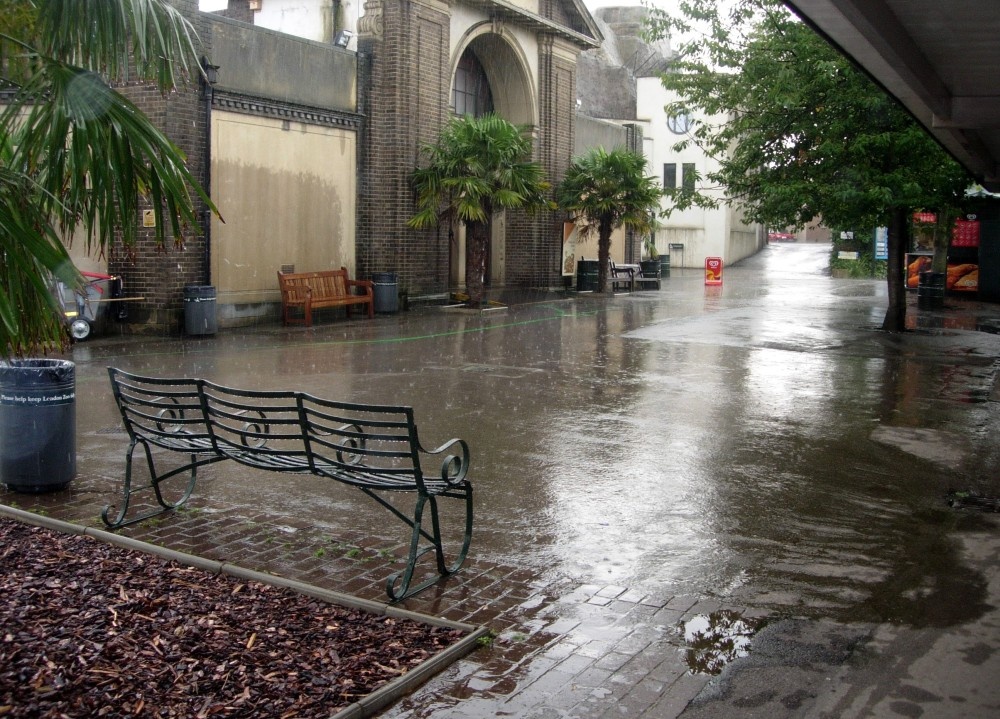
[[37, 424], [586, 275], [665, 265], [930, 290], [385, 287], [199, 310]]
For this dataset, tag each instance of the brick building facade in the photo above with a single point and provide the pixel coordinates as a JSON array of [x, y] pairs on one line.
[[386, 100], [408, 51]]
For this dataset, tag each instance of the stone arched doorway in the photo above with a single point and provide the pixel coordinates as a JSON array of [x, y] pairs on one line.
[[491, 75]]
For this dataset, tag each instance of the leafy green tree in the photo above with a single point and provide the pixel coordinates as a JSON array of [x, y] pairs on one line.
[[605, 190], [76, 155], [799, 132], [479, 166]]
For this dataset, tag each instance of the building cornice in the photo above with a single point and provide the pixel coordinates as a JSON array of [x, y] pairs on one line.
[[261, 107]]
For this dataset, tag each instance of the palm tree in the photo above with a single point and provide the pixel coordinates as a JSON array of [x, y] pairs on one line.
[[479, 166], [605, 190], [75, 154]]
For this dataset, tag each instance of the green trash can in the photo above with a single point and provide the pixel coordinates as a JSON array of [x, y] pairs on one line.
[[37, 424], [665, 265], [586, 275]]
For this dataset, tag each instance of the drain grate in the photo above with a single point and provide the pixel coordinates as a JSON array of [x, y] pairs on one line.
[[117, 429]]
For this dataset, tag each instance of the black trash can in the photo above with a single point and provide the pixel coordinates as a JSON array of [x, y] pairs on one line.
[[586, 275], [665, 265], [199, 310], [930, 290], [385, 287], [37, 424]]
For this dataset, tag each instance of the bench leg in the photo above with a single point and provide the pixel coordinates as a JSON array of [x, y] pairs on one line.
[[398, 585], [155, 480]]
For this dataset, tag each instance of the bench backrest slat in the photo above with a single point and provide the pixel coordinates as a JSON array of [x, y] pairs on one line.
[[326, 283], [256, 428], [346, 436], [159, 410], [277, 430]]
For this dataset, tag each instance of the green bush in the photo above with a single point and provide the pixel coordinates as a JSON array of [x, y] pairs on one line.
[[866, 266]]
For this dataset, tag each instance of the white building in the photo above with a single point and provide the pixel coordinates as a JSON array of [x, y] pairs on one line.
[[693, 234]]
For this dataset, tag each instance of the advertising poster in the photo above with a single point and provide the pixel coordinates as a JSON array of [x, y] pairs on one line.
[[713, 270], [961, 276]]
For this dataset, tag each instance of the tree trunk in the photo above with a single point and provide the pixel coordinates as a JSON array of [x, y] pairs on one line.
[[895, 315], [603, 254], [476, 242], [942, 240]]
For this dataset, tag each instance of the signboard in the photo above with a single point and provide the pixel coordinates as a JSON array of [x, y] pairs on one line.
[[881, 243], [713, 270], [965, 233]]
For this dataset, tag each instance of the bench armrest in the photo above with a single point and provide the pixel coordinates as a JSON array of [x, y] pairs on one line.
[[366, 285], [455, 466]]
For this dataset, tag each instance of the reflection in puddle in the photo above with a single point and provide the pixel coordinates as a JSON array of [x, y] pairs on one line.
[[718, 638]]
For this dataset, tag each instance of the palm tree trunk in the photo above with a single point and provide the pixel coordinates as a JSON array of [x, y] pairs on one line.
[[603, 254], [476, 241]]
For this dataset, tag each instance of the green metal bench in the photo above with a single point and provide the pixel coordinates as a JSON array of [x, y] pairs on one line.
[[375, 448]]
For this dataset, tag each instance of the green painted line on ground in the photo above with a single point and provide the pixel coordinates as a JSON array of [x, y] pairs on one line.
[[558, 314]]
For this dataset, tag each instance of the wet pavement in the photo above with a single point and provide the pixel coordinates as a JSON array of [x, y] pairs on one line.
[[750, 478]]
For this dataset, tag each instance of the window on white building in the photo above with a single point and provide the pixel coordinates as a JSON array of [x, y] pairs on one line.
[[670, 174]]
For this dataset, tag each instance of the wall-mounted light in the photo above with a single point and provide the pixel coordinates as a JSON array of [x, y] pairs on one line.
[[255, 5], [211, 71], [343, 38]]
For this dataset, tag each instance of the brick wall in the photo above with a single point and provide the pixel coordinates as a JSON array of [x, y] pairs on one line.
[[534, 243], [159, 274], [403, 88]]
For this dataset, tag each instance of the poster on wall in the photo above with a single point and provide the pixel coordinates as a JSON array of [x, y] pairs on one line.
[[569, 248], [961, 276]]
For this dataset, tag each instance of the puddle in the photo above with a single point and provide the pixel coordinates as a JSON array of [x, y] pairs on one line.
[[714, 640]]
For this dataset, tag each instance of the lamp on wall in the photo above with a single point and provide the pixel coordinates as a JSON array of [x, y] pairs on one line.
[[255, 5], [343, 38], [211, 72]]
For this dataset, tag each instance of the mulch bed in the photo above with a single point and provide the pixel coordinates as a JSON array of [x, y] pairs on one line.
[[90, 629]]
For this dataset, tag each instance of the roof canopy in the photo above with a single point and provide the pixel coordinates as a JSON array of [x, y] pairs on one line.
[[940, 59]]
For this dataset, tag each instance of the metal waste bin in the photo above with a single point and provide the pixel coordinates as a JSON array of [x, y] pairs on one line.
[[199, 310], [586, 275], [37, 424], [930, 290], [665, 265], [386, 290]]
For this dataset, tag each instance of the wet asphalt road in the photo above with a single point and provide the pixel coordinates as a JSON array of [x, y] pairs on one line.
[[762, 443]]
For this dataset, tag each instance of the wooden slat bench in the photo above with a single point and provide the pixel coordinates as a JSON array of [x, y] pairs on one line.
[[308, 291], [374, 448], [622, 276]]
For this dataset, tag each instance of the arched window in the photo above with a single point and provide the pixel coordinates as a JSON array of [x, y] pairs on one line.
[[471, 95]]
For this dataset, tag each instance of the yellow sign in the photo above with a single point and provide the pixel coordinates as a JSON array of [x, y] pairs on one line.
[[148, 218]]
